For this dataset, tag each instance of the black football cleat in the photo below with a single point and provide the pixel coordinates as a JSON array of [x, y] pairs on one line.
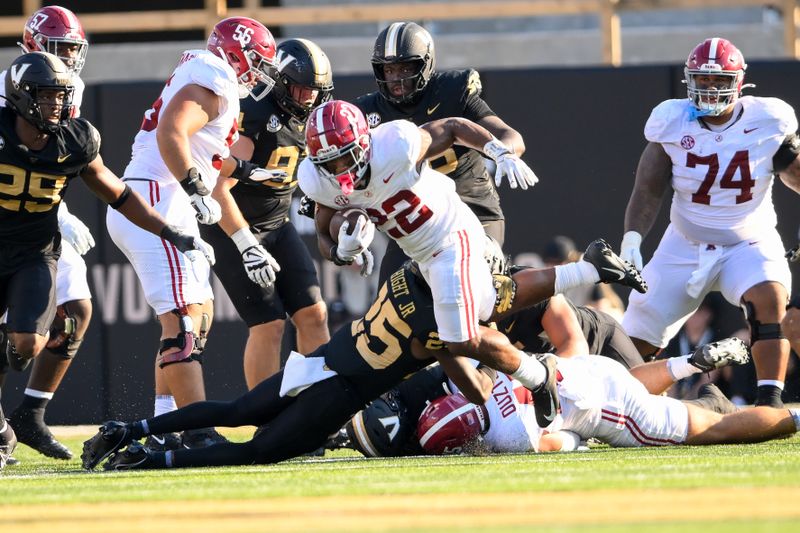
[[110, 437], [611, 268], [710, 397], [163, 443], [545, 396], [134, 457], [202, 438], [714, 355], [8, 442], [33, 432]]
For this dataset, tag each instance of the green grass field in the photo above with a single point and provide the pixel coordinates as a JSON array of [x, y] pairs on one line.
[[709, 489]]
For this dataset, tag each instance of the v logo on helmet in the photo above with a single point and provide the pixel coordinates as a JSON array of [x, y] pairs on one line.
[[17, 71], [284, 59]]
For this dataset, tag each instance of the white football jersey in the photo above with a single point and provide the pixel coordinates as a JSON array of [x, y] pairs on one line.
[[209, 146], [722, 180], [77, 95], [418, 209]]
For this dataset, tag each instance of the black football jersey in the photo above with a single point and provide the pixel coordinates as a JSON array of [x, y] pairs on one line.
[[454, 93], [375, 351], [279, 143], [32, 183], [524, 328]]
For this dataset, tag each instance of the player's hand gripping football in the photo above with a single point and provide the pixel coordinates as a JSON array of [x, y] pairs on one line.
[[189, 245], [208, 209], [74, 231], [516, 171], [629, 251], [355, 246]]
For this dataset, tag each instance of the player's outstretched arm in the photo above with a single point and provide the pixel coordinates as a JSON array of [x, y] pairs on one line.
[[562, 327], [504, 133], [474, 383], [109, 188]]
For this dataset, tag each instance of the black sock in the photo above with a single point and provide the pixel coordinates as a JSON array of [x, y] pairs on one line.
[[137, 430], [32, 402], [769, 395]]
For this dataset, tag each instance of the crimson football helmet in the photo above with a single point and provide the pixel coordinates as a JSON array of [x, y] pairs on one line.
[[714, 57], [449, 423], [337, 132], [58, 31], [249, 48]]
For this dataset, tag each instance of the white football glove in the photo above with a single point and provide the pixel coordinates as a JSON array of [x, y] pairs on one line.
[[74, 231], [208, 210], [351, 246], [508, 164], [260, 175], [260, 266], [629, 250], [366, 262]]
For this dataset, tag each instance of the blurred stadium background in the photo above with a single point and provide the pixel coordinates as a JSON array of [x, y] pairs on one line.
[[577, 78]]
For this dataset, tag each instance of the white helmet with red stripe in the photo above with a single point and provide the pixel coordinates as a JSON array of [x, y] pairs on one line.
[[449, 423], [58, 31], [714, 75], [338, 142]]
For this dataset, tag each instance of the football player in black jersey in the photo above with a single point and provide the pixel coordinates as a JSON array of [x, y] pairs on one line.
[[314, 396], [272, 138], [41, 149], [409, 88]]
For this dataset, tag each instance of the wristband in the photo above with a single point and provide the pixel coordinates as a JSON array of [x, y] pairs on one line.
[[243, 169], [244, 239], [192, 183]]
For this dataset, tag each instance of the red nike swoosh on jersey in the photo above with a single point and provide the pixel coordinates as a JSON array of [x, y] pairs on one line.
[[386, 180], [746, 130]]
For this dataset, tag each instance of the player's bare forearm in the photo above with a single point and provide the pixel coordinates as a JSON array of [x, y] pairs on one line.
[[491, 348], [475, 385], [446, 132], [322, 221], [505, 133], [790, 176], [563, 329], [232, 219], [653, 177]]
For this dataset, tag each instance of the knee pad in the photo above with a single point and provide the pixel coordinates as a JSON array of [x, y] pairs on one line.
[[506, 289], [62, 334], [190, 346], [758, 330]]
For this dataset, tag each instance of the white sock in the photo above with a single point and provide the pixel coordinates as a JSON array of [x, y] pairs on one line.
[[4, 426], [574, 275], [680, 367], [33, 393], [164, 404], [795, 412], [772, 382], [531, 373]]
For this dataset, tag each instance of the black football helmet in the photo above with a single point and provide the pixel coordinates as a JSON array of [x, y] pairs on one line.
[[28, 75], [383, 429], [303, 64], [399, 43]]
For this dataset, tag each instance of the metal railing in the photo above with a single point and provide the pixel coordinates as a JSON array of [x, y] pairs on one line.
[[607, 11]]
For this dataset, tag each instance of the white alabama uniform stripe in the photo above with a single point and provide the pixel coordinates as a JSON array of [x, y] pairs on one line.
[[423, 440], [713, 49]]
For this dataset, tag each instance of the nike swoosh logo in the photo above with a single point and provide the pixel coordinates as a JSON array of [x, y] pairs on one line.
[[160, 440], [434, 108], [620, 275], [552, 411], [746, 130], [386, 180], [62, 159], [511, 326]]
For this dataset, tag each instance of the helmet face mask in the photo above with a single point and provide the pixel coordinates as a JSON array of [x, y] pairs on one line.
[[339, 144], [305, 79], [403, 44], [714, 76], [249, 48], [38, 87], [58, 31]]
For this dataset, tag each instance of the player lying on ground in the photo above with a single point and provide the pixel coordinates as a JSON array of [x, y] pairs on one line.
[[314, 396]]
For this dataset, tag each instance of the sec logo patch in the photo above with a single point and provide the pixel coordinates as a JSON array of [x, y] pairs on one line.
[[687, 142], [373, 119], [274, 124]]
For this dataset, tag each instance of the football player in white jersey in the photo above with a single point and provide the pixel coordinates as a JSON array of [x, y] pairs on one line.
[[57, 30], [177, 157], [600, 399], [385, 172], [719, 152]]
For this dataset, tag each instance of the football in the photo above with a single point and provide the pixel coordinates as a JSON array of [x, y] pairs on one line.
[[349, 214]]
